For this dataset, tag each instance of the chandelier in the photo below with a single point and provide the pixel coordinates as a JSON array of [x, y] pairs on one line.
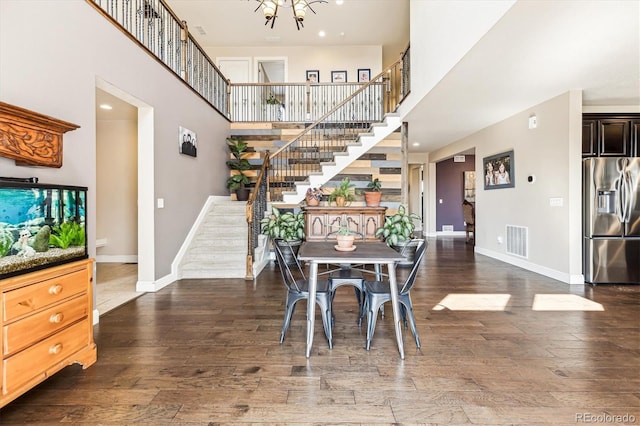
[[270, 8]]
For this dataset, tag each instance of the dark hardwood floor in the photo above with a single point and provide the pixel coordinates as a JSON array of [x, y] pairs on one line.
[[500, 345]]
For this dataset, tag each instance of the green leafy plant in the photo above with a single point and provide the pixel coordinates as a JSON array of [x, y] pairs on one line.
[[287, 226], [397, 228], [237, 163], [345, 190], [375, 185], [272, 99], [67, 234], [6, 241]]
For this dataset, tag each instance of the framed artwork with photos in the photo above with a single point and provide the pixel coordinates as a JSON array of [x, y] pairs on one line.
[[364, 75], [187, 143], [338, 76], [499, 171], [313, 76]]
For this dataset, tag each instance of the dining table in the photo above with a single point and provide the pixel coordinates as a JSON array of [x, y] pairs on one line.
[[375, 253]]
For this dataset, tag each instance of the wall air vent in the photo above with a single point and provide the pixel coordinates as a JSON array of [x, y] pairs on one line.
[[518, 240], [458, 159]]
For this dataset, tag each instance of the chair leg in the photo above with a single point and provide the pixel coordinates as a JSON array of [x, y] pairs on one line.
[[412, 322], [372, 316], [288, 313], [327, 321]]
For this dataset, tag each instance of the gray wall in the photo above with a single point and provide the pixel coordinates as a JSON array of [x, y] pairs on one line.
[[51, 55]]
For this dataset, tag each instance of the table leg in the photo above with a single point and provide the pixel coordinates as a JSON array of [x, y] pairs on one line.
[[397, 318], [311, 304]]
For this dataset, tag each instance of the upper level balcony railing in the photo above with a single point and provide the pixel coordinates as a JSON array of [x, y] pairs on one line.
[[155, 27]]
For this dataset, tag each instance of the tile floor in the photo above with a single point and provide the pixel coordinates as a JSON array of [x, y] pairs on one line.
[[116, 285]]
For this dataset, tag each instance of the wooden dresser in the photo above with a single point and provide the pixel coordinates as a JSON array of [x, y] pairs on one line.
[[322, 220], [46, 325]]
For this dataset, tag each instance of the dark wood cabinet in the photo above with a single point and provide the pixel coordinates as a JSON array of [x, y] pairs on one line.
[[589, 138], [635, 138], [614, 138], [610, 135]]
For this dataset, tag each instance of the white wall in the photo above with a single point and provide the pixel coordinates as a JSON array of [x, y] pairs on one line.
[[551, 152], [300, 59], [117, 189], [442, 32], [51, 54]]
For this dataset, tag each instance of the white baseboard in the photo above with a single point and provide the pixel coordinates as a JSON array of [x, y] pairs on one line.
[[525, 264], [122, 258], [153, 286], [96, 317]]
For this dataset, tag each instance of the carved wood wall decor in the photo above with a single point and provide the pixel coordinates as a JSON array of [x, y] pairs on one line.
[[30, 138]]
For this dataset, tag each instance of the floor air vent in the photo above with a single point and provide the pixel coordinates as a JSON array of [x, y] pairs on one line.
[[517, 240]]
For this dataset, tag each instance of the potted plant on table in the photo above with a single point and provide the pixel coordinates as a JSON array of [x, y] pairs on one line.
[[345, 238], [344, 193], [286, 230], [373, 194], [238, 180], [313, 196], [397, 232]]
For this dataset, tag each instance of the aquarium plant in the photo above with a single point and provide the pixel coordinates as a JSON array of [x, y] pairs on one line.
[[6, 241], [67, 234]]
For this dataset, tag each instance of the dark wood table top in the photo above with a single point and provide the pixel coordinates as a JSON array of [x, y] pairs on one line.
[[365, 252]]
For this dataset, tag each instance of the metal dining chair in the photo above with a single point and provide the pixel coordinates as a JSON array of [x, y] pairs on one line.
[[350, 275], [379, 292], [297, 286]]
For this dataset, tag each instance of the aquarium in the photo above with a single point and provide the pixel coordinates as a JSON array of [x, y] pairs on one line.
[[40, 226]]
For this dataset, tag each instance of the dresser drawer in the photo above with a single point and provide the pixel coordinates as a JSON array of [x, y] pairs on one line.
[[24, 332], [37, 359], [30, 298]]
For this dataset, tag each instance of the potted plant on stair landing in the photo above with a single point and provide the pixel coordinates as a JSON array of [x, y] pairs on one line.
[[285, 229], [397, 232], [238, 180], [373, 194]]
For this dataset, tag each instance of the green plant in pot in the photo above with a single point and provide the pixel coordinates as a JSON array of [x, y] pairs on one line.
[[344, 193], [286, 230], [397, 232], [344, 238], [238, 180], [373, 194]]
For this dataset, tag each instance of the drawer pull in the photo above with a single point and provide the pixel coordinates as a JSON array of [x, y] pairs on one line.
[[55, 289], [56, 318], [55, 349]]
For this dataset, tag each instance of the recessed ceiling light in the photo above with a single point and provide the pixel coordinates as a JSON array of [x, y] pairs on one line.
[[339, 2], [322, 33], [416, 144], [106, 106]]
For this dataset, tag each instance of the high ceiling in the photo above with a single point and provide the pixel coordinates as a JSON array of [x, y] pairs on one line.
[[352, 23], [536, 51]]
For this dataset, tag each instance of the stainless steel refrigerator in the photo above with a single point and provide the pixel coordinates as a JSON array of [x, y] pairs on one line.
[[611, 220]]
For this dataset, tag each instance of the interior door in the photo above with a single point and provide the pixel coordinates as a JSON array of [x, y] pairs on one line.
[[238, 70]]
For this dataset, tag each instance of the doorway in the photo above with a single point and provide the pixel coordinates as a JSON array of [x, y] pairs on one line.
[[117, 200]]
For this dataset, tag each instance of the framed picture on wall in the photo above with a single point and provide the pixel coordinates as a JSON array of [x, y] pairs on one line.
[[338, 76], [313, 76], [187, 142], [499, 171], [469, 192], [364, 75]]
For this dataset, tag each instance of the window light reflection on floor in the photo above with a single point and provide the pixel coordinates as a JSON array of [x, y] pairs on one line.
[[564, 302], [473, 302]]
